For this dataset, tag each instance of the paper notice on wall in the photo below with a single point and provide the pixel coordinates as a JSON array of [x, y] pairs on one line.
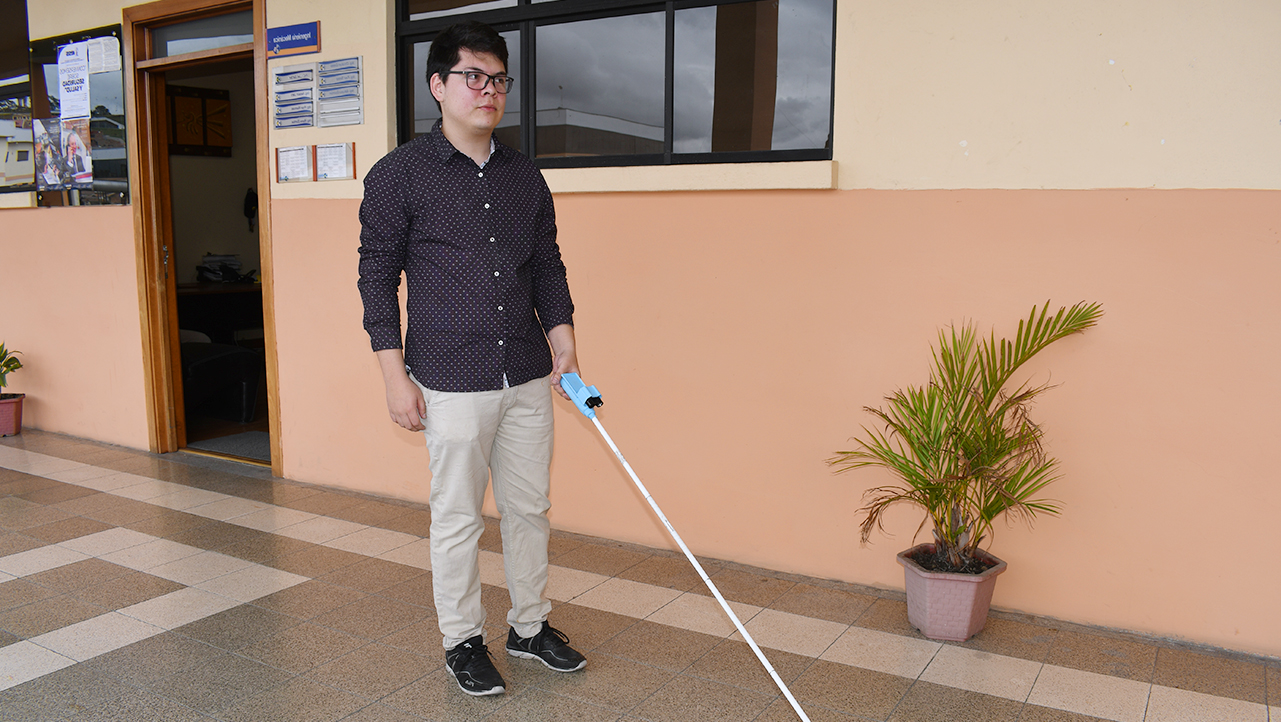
[[294, 164], [335, 161], [73, 80], [104, 54]]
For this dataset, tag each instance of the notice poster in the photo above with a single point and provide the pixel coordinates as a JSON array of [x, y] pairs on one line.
[[104, 54], [63, 161], [73, 80], [75, 152], [294, 164]]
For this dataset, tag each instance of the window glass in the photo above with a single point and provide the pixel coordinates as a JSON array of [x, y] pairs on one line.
[[600, 87], [750, 81], [753, 76], [421, 9], [17, 172], [105, 126], [192, 36], [427, 112]]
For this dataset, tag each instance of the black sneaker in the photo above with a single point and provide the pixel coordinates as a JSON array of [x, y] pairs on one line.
[[472, 668], [549, 646]]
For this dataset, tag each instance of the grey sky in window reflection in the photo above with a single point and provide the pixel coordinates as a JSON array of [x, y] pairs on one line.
[[600, 83], [429, 8], [609, 71], [802, 106]]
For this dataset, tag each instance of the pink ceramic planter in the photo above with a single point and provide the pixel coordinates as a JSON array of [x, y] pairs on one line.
[[11, 415], [947, 606]]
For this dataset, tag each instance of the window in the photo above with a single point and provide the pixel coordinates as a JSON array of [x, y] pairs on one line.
[[209, 33], [638, 82], [17, 172], [104, 129]]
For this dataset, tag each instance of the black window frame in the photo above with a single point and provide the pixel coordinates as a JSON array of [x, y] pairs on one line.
[[525, 17]]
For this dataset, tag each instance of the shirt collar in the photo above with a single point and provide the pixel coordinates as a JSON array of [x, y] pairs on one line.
[[445, 150]]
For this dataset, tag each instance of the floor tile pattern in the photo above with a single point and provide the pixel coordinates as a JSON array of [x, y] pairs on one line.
[[140, 587]]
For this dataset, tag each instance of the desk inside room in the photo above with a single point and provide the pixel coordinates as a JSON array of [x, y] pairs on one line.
[[229, 313]]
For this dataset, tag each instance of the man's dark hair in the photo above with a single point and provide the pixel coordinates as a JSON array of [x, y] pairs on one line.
[[479, 38]]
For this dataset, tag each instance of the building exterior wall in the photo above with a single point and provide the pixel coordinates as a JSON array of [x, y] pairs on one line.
[[737, 334]]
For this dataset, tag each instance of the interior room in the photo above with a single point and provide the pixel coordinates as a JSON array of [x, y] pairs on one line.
[[216, 262]]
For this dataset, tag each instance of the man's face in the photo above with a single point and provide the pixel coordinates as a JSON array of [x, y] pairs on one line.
[[463, 108]]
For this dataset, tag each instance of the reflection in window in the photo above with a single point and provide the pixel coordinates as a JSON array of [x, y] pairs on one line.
[[753, 76], [419, 9], [600, 87], [738, 81], [427, 112], [106, 122], [17, 172], [193, 36]]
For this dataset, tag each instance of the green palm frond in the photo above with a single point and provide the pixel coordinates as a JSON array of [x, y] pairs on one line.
[[8, 364], [963, 446]]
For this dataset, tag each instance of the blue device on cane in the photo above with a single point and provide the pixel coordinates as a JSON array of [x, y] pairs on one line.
[[585, 397]]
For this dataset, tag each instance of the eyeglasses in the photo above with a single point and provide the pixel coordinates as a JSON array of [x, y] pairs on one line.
[[477, 80]]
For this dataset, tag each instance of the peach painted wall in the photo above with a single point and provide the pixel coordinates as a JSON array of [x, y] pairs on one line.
[[71, 306], [736, 337]]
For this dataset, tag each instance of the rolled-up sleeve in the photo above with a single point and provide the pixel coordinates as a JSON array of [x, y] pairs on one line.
[[384, 235]]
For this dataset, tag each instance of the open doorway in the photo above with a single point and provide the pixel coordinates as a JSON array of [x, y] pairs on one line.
[[196, 88], [216, 259]]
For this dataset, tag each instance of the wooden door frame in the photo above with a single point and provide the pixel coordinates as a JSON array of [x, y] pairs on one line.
[[149, 188]]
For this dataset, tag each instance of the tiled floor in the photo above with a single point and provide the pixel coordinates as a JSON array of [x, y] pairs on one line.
[[135, 587]]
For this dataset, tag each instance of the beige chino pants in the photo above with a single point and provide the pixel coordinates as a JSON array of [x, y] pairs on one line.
[[505, 436]]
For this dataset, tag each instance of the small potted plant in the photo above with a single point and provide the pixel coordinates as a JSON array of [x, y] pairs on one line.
[[964, 449], [10, 404]]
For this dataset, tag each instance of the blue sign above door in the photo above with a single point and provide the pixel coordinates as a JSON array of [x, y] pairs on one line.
[[293, 40]]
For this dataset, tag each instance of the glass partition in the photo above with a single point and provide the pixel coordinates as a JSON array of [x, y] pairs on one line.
[[753, 76], [642, 82], [600, 87], [203, 34], [17, 149], [80, 159], [420, 9]]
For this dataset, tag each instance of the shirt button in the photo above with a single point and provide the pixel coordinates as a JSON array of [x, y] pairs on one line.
[[486, 205], [495, 273], [491, 239], [500, 343], [480, 175], [500, 308]]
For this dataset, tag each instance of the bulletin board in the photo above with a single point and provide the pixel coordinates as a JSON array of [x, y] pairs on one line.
[[101, 176]]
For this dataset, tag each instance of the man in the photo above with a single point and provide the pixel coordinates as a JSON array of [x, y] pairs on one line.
[[471, 224]]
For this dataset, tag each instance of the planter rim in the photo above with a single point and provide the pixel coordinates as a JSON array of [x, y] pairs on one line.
[[904, 559], [10, 397]]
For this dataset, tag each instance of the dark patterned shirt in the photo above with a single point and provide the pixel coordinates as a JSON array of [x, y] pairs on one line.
[[478, 249]]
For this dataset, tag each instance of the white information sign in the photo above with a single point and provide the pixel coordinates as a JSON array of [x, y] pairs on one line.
[[294, 164], [73, 80], [336, 161]]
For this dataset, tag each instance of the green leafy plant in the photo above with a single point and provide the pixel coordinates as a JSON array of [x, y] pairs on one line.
[[8, 364], [963, 446]]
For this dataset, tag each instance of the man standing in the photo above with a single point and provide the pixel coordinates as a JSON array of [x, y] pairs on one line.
[[470, 222]]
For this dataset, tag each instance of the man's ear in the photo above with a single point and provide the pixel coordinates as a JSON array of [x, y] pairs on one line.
[[437, 87]]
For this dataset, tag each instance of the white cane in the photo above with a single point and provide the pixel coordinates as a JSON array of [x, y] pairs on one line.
[[587, 398]]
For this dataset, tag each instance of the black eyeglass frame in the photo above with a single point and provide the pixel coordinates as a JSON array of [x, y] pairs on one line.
[[504, 87]]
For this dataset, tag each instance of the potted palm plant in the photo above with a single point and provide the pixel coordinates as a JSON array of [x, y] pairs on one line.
[[964, 449], [10, 404]]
